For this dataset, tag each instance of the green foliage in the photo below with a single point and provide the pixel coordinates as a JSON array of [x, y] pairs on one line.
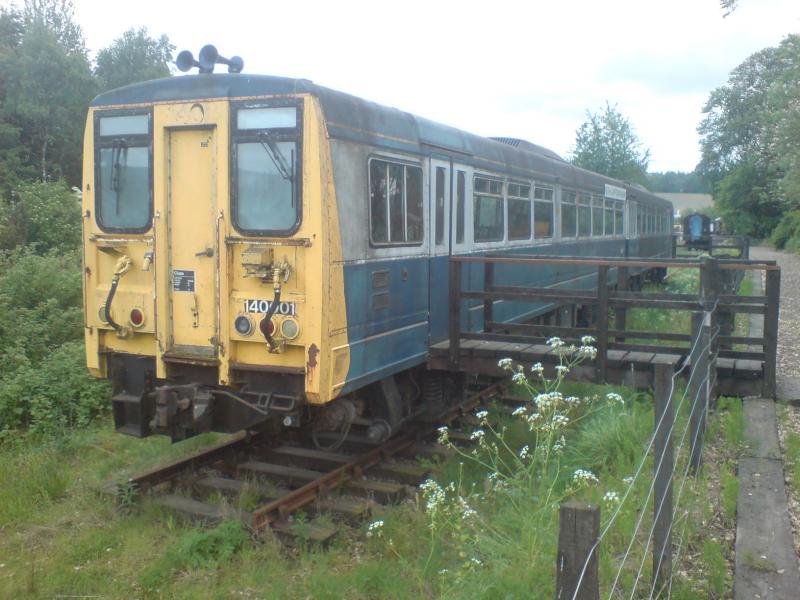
[[45, 215], [729, 484], [748, 139], [716, 568], [607, 143], [787, 233], [197, 549], [132, 58], [677, 182]]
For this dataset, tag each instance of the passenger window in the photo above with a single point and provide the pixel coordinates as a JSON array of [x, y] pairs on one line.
[[619, 221], [584, 216], [609, 217], [597, 216], [440, 185], [488, 213], [123, 172], [395, 203], [569, 215], [542, 212], [461, 194], [519, 211]]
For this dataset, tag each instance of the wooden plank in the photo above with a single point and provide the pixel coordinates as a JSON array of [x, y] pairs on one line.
[[663, 459], [280, 472], [643, 358], [577, 560], [408, 473], [773, 290], [200, 511], [381, 491], [311, 532]]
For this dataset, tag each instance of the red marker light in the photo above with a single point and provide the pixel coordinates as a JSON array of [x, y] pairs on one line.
[[136, 317], [267, 327]]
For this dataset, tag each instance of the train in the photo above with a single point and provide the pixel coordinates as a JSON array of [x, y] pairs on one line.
[[697, 229], [263, 253]]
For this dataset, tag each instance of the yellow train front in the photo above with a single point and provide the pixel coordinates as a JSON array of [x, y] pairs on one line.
[[262, 251]]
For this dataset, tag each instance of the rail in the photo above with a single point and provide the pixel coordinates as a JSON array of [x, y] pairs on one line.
[[603, 285]]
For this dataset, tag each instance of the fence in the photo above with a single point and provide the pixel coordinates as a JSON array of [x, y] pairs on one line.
[[593, 287]]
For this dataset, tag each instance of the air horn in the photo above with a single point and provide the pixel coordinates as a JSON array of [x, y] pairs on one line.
[[207, 59]]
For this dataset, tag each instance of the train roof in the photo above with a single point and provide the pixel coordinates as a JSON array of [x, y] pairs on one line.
[[352, 118]]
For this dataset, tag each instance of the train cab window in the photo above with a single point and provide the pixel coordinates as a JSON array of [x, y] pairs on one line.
[[395, 201], [266, 168], [519, 211], [487, 210], [597, 216], [569, 214], [123, 167], [461, 199], [584, 215], [440, 185], [542, 211]]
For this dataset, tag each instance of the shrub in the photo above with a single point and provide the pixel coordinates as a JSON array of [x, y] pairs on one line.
[[787, 232]]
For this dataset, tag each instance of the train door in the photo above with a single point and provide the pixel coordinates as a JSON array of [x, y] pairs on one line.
[[439, 183], [191, 240]]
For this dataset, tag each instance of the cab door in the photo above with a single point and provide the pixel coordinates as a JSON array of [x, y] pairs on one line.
[[192, 242]]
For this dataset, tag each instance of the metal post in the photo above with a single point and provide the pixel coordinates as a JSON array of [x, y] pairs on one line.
[[576, 564], [699, 386], [602, 322], [662, 505]]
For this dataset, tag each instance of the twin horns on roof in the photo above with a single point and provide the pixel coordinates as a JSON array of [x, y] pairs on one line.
[[207, 59]]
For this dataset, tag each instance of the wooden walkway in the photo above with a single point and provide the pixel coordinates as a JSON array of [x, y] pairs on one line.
[[735, 377]]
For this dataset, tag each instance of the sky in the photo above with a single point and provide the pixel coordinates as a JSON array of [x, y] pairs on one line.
[[528, 69]]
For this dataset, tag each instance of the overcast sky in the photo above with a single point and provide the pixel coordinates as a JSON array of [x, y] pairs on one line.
[[527, 69]]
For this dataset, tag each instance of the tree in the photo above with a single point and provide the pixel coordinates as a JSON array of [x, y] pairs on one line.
[[676, 181], [607, 143], [748, 138], [132, 58]]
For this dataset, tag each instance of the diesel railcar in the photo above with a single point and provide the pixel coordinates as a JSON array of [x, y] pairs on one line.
[[262, 251], [697, 232]]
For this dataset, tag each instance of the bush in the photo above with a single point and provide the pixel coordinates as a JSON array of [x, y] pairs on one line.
[[43, 215], [787, 232]]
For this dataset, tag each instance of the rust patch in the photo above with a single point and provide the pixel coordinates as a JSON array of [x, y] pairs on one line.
[[311, 365]]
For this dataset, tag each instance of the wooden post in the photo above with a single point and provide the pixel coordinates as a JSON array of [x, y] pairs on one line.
[[488, 304], [620, 312], [576, 564], [455, 312], [662, 504], [773, 294], [699, 386], [602, 322]]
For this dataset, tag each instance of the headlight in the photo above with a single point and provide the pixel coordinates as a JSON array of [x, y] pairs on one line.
[[136, 318], [289, 329], [243, 325]]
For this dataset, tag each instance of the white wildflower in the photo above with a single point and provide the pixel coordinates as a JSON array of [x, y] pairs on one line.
[[537, 368], [505, 363], [374, 528], [481, 414], [562, 370], [628, 480], [555, 342], [559, 445], [443, 571], [589, 352], [524, 453], [611, 498], [519, 378], [572, 401], [444, 435], [584, 477], [615, 398], [477, 434], [519, 411], [476, 562], [587, 340]]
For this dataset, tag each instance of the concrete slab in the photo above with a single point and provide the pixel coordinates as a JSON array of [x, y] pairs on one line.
[[766, 564], [760, 429]]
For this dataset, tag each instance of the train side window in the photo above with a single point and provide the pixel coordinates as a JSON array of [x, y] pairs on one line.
[[619, 222], [123, 168], [395, 192], [584, 215], [519, 211], [487, 209], [440, 174], [609, 215], [542, 212], [569, 214], [597, 216], [461, 198]]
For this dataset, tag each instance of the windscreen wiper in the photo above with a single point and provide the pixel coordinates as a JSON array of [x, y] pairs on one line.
[[117, 151], [275, 154]]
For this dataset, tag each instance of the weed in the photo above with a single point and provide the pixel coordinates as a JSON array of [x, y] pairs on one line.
[[716, 567], [729, 484]]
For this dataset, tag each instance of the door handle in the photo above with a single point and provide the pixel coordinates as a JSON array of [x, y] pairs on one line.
[[207, 252]]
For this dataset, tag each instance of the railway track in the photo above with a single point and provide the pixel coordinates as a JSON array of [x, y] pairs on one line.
[[267, 484]]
